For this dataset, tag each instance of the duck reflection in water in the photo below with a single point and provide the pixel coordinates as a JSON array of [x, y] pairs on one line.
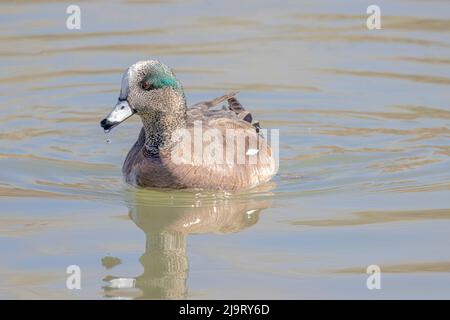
[[166, 228]]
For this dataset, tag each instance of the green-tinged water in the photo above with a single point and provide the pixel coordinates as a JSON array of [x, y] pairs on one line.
[[364, 179]]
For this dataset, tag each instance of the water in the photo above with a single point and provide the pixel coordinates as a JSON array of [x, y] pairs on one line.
[[364, 166]]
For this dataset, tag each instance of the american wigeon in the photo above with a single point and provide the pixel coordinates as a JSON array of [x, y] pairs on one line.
[[188, 147]]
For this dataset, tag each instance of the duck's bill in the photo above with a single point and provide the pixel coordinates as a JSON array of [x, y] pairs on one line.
[[122, 111]]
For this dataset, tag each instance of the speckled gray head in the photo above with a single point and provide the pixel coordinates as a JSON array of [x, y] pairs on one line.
[[148, 87]]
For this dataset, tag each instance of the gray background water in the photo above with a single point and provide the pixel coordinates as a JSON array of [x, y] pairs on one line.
[[364, 154]]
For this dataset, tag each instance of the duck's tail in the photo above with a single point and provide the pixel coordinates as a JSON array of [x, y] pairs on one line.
[[235, 106]]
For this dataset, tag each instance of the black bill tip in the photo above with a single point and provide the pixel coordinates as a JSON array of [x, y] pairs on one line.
[[107, 125]]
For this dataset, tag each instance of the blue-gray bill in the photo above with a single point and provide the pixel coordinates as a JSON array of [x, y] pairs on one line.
[[121, 112]]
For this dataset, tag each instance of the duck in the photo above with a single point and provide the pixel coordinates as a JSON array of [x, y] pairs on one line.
[[206, 146]]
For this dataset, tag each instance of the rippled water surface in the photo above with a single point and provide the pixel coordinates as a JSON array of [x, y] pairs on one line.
[[364, 151]]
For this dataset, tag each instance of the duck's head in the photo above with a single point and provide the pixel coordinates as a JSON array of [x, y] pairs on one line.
[[148, 88]]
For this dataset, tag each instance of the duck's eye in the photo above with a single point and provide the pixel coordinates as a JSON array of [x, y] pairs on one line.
[[122, 107], [145, 85]]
